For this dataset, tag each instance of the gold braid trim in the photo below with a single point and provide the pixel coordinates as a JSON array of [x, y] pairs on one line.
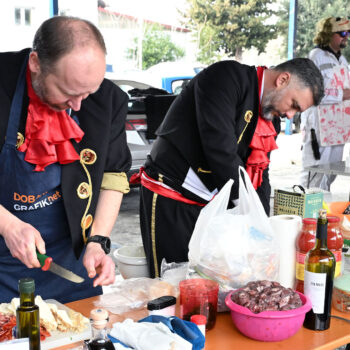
[[89, 202], [153, 230]]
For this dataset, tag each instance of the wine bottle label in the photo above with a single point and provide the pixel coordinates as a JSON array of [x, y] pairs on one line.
[[315, 290]]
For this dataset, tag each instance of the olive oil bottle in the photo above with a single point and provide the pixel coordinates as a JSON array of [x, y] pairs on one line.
[[27, 314], [318, 279]]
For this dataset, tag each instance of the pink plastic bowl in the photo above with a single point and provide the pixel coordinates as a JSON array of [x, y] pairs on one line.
[[268, 325]]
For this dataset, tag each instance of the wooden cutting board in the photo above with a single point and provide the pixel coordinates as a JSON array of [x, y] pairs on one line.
[[63, 338]]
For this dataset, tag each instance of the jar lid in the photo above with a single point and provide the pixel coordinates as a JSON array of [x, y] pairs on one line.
[[161, 303], [332, 219], [198, 319], [309, 221]]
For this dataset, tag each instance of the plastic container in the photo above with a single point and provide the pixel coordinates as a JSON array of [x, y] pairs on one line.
[[199, 296], [341, 293], [268, 326], [304, 242], [164, 306]]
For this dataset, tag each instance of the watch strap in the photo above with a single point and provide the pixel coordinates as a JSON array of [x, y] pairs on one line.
[[104, 241]]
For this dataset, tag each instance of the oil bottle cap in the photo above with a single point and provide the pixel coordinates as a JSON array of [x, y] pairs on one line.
[[99, 317], [26, 285]]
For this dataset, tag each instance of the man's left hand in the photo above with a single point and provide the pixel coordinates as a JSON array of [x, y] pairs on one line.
[[98, 263]]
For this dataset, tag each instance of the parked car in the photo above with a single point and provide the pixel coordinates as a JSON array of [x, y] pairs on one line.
[[172, 76]]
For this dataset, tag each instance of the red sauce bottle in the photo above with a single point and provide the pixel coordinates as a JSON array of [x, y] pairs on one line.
[[304, 242]]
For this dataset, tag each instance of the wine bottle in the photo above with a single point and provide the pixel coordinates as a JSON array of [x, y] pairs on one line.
[[27, 314], [318, 280]]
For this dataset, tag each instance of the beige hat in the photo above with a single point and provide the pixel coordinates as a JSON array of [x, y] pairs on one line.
[[339, 24]]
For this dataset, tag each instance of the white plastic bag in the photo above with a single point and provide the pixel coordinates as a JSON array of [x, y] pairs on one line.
[[234, 246]]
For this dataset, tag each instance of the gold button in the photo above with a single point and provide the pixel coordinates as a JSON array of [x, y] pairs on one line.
[[83, 190], [248, 116], [20, 140], [88, 156]]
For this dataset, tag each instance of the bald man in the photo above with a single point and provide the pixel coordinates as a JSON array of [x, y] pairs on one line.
[[63, 161]]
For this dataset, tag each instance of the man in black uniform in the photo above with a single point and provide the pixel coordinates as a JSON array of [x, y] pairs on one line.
[[224, 118]]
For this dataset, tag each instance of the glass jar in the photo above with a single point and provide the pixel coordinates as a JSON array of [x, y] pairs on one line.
[[304, 242], [335, 241]]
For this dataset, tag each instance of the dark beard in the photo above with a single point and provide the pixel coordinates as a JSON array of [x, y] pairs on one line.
[[266, 112]]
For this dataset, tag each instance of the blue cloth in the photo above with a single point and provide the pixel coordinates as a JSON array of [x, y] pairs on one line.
[[35, 198], [185, 329]]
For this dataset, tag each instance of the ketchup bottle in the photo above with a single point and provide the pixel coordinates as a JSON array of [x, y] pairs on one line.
[[304, 242]]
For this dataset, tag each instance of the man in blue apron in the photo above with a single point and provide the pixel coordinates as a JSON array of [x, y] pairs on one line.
[[63, 159]]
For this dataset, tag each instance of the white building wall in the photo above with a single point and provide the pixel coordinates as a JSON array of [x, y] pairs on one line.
[[18, 36]]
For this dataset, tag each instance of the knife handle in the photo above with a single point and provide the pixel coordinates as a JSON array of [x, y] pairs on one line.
[[45, 261]]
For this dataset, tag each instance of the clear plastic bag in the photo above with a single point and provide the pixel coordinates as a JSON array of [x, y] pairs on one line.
[[234, 246], [134, 293]]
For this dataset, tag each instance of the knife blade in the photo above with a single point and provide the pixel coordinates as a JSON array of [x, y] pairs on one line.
[[48, 265]]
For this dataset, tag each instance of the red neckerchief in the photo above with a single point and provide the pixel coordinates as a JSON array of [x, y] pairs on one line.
[[262, 143], [48, 133]]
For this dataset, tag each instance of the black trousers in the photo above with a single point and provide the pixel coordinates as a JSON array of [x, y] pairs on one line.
[[166, 228]]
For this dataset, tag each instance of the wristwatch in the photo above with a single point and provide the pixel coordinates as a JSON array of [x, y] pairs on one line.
[[104, 241]]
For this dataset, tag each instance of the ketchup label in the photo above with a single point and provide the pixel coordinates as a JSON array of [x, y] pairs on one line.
[[299, 266]]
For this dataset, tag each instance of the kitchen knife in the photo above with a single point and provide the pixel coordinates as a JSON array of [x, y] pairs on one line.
[[48, 265]]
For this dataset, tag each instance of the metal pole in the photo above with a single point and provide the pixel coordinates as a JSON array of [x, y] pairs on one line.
[[53, 8], [293, 10]]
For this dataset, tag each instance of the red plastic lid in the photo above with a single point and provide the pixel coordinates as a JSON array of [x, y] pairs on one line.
[[309, 221], [198, 319], [333, 219]]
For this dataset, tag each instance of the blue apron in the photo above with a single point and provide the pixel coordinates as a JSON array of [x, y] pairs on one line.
[[35, 198]]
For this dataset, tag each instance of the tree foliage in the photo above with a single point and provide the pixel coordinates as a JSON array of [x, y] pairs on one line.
[[229, 26], [309, 12], [156, 47]]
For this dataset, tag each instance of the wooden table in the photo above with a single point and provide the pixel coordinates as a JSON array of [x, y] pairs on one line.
[[225, 335]]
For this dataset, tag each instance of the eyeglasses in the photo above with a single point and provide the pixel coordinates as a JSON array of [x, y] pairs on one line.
[[343, 34]]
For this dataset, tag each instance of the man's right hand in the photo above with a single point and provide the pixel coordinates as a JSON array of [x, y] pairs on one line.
[[22, 239], [346, 94]]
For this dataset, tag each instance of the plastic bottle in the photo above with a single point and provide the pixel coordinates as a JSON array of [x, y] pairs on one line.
[[304, 242], [318, 282], [27, 314], [99, 341], [200, 321]]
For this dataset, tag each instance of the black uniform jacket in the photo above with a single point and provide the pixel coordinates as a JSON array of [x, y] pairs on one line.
[[102, 118], [209, 127]]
